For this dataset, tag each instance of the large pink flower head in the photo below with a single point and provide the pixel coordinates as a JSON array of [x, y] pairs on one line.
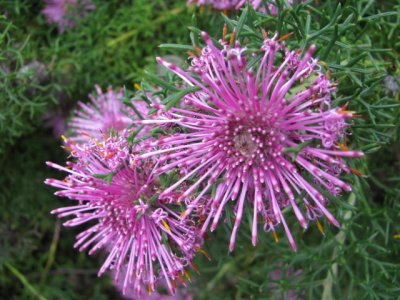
[[145, 239], [261, 131], [65, 13], [104, 112]]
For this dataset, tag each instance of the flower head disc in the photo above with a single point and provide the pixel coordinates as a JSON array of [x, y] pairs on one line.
[[263, 131]]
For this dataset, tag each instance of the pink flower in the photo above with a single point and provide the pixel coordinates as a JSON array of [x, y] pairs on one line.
[[237, 4], [65, 13], [217, 4], [106, 111], [116, 199], [263, 133]]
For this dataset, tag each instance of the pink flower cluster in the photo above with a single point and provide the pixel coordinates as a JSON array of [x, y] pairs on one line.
[[259, 133]]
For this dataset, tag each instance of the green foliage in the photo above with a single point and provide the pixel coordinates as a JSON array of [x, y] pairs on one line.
[[22, 85]]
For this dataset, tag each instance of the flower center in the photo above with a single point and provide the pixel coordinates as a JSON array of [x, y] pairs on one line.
[[244, 143]]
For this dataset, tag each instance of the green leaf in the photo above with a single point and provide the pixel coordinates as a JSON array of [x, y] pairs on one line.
[[174, 99], [107, 176]]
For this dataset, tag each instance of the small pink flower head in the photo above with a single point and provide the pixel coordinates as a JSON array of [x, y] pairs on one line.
[[65, 13], [258, 5], [262, 134], [217, 4], [103, 113], [116, 198]]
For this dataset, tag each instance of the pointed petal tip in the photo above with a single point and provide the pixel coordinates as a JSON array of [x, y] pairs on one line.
[[312, 49], [293, 246], [205, 35], [303, 224], [254, 240]]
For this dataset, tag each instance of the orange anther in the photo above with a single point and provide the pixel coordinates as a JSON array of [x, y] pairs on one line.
[[233, 36], [264, 33], [320, 227], [197, 48], [275, 236], [203, 252], [285, 36], [187, 275], [224, 32], [359, 173]]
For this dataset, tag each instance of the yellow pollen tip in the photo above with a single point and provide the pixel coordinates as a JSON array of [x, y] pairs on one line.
[[64, 138], [182, 214], [320, 227], [396, 236], [224, 32], [187, 275], [166, 225], [225, 12], [275, 236], [149, 290], [344, 111], [233, 37], [343, 147], [137, 86]]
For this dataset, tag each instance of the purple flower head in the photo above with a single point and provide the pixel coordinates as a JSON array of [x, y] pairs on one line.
[[56, 120], [106, 111], [117, 198], [65, 13], [217, 4], [258, 5], [262, 134], [237, 4]]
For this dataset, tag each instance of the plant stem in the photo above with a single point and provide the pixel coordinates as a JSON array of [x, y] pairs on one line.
[[340, 238]]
